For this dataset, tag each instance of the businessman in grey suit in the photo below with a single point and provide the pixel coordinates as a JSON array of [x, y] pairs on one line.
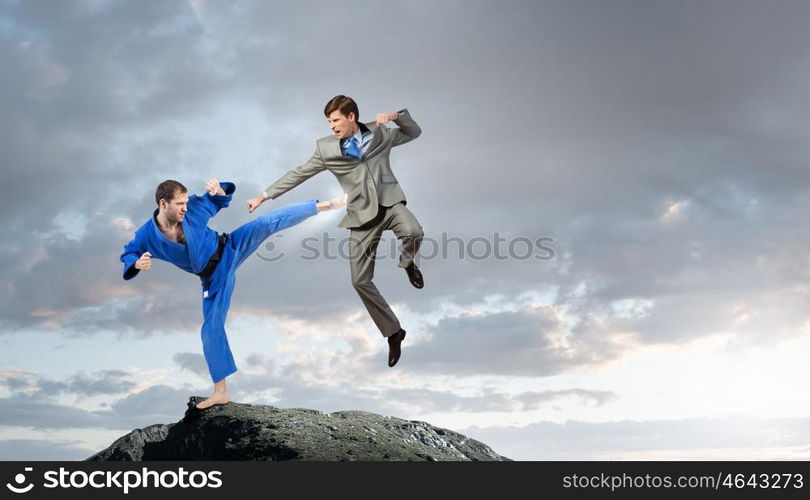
[[358, 155]]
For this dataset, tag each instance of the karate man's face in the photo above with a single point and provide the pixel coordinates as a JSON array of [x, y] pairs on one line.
[[342, 126], [175, 209]]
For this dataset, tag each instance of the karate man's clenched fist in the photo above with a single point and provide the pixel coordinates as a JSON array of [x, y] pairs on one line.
[[145, 262], [213, 187]]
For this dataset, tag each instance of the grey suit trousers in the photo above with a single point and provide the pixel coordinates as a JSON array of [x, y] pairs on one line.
[[363, 243]]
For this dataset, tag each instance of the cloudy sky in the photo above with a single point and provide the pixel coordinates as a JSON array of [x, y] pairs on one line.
[[661, 147]]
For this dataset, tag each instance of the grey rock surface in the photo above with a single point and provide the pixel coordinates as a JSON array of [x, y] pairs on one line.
[[237, 431]]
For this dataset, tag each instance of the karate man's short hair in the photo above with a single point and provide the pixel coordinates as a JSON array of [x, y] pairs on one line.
[[343, 104], [167, 189]]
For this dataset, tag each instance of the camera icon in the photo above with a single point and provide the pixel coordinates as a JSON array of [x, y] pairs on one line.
[[20, 479]]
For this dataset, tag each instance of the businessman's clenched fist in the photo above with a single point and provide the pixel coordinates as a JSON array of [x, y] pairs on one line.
[[383, 118], [254, 203], [145, 262]]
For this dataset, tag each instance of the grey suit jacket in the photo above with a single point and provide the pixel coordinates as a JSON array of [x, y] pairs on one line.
[[368, 181]]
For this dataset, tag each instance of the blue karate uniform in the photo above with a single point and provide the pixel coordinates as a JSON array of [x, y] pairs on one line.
[[201, 243]]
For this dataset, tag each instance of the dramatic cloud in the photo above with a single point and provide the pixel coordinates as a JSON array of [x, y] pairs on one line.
[[192, 362], [533, 342], [157, 404], [38, 387], [701, 191]]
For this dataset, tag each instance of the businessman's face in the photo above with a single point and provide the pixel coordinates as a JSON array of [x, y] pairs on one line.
[[175, 209], [342, 126]]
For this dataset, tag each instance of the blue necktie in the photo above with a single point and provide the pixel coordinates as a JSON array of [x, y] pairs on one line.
[[352, 149]]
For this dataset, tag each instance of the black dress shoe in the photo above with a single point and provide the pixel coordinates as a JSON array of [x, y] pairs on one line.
[[394, 350], [415, 275]]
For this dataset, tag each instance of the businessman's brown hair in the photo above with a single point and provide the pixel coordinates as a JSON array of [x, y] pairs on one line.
[[343, 104]]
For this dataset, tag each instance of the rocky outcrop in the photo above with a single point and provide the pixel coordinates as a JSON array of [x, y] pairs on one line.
[[237, 431]]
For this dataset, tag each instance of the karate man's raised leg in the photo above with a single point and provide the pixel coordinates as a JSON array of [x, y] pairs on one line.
[[247, 238]]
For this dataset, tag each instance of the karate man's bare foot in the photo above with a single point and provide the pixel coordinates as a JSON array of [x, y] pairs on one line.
[[217, 398]]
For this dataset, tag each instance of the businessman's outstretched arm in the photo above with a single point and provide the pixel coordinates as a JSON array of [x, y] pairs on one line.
[[289, 180]]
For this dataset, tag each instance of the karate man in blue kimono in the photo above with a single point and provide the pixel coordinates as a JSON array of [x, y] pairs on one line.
[[178, 233]]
